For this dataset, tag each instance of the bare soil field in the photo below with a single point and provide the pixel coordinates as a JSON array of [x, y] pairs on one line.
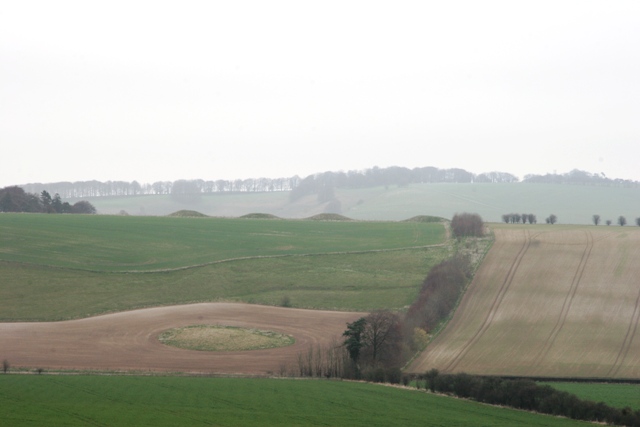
[[128, 341], [560, 301]]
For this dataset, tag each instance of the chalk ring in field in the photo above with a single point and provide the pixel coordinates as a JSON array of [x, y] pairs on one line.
[[128, 340], [223, 338]]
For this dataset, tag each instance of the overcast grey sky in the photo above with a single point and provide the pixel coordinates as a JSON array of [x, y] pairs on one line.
[[153, 90]]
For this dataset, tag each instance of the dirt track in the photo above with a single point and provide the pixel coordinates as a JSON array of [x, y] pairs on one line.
[[128, 340]]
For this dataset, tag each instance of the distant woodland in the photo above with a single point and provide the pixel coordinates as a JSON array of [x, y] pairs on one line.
[[15, 199], [321, 184]]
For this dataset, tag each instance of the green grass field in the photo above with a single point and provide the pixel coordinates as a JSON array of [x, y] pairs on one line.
[[33, 290], [175, 401], [616, 395], [112, 243]]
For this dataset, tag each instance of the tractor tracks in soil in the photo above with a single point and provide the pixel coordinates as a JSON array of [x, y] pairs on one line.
[[628, 339], [568, 300], [494, 306]]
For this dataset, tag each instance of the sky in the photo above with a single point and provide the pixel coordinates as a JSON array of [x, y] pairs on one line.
[[160, 91]]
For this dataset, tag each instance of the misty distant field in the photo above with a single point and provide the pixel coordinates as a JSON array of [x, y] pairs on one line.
[[556, 301], [572, 204], [55, 267]]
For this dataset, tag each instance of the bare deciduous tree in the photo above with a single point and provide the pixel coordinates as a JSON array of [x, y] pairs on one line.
[[596, 219], [467, 224], [379, 332], [622, 221]]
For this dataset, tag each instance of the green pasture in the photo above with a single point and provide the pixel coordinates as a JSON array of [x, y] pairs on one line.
[[616, 395], [359, 282], [309, 266], [128, 243], [78, 400]]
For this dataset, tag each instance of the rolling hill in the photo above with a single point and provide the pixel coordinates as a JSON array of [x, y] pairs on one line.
[[573, 204]]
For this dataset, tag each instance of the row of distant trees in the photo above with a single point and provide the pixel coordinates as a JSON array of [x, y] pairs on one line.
[[320, 184], [579, 177], [622, 221], [15, 199], [514, 218], [324, 184], [94, 188]]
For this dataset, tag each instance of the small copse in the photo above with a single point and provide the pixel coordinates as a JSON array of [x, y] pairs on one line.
[[467, 225]]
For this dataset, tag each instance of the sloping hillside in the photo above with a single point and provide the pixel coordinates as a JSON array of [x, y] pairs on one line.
[[573, 204], [548, 301]]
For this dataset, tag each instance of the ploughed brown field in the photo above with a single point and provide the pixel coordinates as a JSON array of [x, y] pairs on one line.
[[129, 340], [548, 301]]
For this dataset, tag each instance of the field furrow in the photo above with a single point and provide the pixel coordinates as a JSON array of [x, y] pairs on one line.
[[628, 339], [568, 307], [494, 306]]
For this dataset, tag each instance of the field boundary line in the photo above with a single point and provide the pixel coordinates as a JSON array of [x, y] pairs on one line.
[[568, 301], [494, 306], [221, 261]]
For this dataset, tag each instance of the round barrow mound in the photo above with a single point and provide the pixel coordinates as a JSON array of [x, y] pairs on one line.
[[224, 338], [329, 217], [187, 214]]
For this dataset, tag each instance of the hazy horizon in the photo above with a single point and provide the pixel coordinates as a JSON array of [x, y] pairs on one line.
[[156, 91], [304, 176]]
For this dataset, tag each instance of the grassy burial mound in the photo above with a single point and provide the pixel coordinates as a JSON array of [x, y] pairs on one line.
[[259, 216], [187, 214], [548, 301], [111, 263], [425, 218], [329, 217]]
